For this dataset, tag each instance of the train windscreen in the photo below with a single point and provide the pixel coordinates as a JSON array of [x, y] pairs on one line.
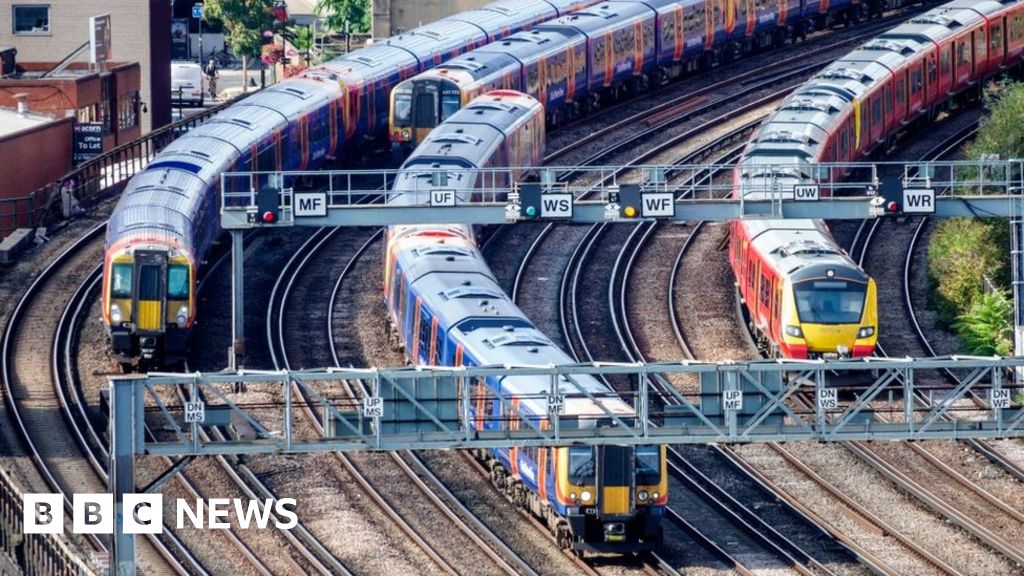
[[830, 301], [648, 465], [403, 108]]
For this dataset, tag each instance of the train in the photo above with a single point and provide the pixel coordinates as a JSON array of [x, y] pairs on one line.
[[804, 296], [576, 63], [448, 309], [167, 218]]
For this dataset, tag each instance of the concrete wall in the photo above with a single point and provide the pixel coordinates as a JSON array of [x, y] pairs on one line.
[[405, 15], [140, 33]]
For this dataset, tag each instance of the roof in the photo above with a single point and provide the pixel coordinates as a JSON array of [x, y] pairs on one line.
[[11, 121]]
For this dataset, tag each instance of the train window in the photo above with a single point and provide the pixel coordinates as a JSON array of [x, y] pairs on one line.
[[121, 281], [1018, 27], [403, 108], [945, 60], [765, 290], [425, 325], [149, 282], [648, 465], [915, 81], [997, 38], [450, 103], [830, 301], [267, 158], [177, 282], [426, 110], [901, 92], [932, 69], [581, 465], [876, 111]]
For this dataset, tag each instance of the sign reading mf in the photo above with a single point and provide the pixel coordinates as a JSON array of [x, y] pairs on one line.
[[311, 204]]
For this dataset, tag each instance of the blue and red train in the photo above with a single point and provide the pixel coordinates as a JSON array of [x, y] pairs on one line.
[[447, 308]]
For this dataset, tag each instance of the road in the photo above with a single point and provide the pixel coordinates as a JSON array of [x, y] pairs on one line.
[[229, 84]]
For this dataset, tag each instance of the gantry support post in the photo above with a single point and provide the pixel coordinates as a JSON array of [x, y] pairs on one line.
[[126, 430], [236, 356]]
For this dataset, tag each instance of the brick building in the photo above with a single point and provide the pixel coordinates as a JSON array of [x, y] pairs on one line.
[[110, 98], [396, 16], [49, 30]]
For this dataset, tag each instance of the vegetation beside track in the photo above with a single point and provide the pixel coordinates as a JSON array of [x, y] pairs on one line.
[[968, 258]]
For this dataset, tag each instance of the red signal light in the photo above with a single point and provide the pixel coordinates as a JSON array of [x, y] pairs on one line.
[[893, 206], [269, 217]]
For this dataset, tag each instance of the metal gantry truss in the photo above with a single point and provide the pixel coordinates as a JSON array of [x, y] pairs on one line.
[[427, 408], [990, 188]]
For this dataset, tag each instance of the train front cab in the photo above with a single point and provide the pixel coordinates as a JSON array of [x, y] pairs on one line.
[[614, 497], [829, 317], [149, 307], [417, 107]]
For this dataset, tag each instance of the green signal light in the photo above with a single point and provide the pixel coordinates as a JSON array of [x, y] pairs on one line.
[[531, 211]]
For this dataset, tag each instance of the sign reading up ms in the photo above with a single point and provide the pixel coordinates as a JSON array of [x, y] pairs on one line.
[[144, 513]]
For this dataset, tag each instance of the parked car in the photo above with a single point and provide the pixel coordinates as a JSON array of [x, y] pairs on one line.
[[188, 78]]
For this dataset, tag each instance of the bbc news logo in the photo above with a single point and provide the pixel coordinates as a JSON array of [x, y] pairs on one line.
[[144, 513]]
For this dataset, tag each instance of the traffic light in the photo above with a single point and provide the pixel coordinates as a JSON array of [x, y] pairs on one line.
[[529, 200], [268, 205], [629, 200]]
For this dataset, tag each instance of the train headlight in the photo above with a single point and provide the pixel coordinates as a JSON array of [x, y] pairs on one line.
[[572, 495], [642, 495], [655, 495], [794, 331], [115, 314], [406, 134], [586, 496], [866, 332], [182, 316]]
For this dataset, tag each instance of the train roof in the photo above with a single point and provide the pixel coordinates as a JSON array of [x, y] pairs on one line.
[[436, 38], [476, 64], [530, 45], [802, 249], [498, 17], [597, 18]]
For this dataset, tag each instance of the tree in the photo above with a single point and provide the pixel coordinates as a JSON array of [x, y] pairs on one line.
[[244, 21], [336, 12]]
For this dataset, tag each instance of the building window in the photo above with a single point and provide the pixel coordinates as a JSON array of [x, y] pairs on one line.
[[127, 114], [32, 19]]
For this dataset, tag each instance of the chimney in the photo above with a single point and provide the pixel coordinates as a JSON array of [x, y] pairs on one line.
[[22, 99]]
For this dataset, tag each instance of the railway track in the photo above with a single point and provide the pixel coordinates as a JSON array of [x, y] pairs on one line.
[[50, 431], [921, 468], [260, 550]]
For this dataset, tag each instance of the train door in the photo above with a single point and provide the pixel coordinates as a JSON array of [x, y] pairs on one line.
[[931, 79], [424, 327], [149, 291], [980, 61], [996, 43], [332, 127], [945, 68], [916, 83], [304, 142], [615, 477]]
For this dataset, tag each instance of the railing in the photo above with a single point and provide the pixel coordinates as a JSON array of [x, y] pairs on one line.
[[82, 188], [41, 554]]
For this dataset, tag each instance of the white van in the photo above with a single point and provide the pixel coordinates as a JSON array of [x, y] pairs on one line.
[[187, 77]]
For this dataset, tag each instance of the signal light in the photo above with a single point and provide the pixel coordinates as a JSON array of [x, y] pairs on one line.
[[893, 206], [530, 211], [629, 212], [269, 217]]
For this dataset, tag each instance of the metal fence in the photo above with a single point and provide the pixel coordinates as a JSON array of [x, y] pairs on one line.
[[32, 554], [92, 181]]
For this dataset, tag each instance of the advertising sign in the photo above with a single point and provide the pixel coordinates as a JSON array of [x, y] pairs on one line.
[[99, 40], [88, 141], [179, 39]]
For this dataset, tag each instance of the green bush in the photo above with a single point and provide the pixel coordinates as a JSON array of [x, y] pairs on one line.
[[962, 253], [987, 327]]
